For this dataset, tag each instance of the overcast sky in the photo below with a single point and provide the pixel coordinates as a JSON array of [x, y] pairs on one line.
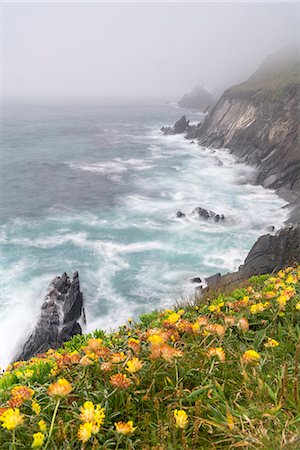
[[137, 50]]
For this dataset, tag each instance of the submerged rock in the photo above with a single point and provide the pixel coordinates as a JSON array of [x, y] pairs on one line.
[[180, 126], [58, 320], [268, 254], [180, 214]]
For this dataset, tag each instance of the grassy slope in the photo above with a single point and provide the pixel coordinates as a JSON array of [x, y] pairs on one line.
[[230, 403]]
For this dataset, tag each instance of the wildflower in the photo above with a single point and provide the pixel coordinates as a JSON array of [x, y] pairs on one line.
[[85, 431], [173, 317], [89, 359], [271, 343], [229, 321], [93, 345], [91, 414], [106, 367], [298, 305], [35, 407], [134, 365], [291, 279], [215, 329], [156, 339], [181, 418], [270, 294], [118, 357], [251, 356], [42, 426], [120, 381], [60, 389], [230, 421], [134, 344], [259, 307], [24, 391], [218, 351], [125, 427], [243, 324], [11, 418], [38, 440]]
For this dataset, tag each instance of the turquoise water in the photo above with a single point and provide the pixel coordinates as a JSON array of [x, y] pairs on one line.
[[95, 189]]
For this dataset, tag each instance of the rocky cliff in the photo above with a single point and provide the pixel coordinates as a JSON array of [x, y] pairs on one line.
[[258, 121], [58, 320], [269, 254]]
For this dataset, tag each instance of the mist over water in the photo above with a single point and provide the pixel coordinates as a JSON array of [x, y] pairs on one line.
[[96, 189]]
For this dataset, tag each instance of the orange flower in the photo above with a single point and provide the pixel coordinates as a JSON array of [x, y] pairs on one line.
[[134, 344], [93, 345], [24, 391], [215, 329], [118, 357], [243, 324], [106, 367], [19, 395], [229, 321], [60, 389], [120, 381]]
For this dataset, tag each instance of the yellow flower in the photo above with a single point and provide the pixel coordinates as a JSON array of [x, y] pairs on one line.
[[134, 365], [91, 414], [87, 412], [173, 318], [11, 418], [60, 389], [35, 407], [156, 340], [251, 356], [125, 428], [42, 426], [298, 305], [271, 343], [259, 307], [38, 440], [218, 351], [181, 418], [85, 431]]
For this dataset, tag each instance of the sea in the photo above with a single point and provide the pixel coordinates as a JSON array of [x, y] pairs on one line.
[[95, 188]]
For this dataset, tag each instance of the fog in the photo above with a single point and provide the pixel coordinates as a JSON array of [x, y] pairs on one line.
[[137, 50]]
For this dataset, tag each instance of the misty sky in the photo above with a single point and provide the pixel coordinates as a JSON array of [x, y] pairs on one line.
[[137, 50]]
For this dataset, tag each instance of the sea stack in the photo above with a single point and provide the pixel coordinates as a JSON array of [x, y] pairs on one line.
[[58, 320]]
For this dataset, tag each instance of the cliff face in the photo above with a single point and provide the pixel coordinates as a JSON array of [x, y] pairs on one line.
[[258, 121]]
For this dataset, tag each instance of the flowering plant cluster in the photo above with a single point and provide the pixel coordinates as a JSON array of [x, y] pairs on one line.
[[221, 372]]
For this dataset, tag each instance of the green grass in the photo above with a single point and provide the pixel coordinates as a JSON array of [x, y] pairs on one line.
[[230, 400]]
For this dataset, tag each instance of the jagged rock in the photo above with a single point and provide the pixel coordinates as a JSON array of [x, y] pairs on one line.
[[196, 280], [205, 214], [180, 126], [180, 214], [268, 254], [58, 320]]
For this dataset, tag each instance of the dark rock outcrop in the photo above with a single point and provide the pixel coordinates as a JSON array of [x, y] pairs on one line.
[[198, 98], [205, 214], [58, 320], [180, 214], [268, 254], [179, 127]]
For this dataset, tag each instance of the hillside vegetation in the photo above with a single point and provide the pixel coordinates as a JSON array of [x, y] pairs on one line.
[[213, 375]]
